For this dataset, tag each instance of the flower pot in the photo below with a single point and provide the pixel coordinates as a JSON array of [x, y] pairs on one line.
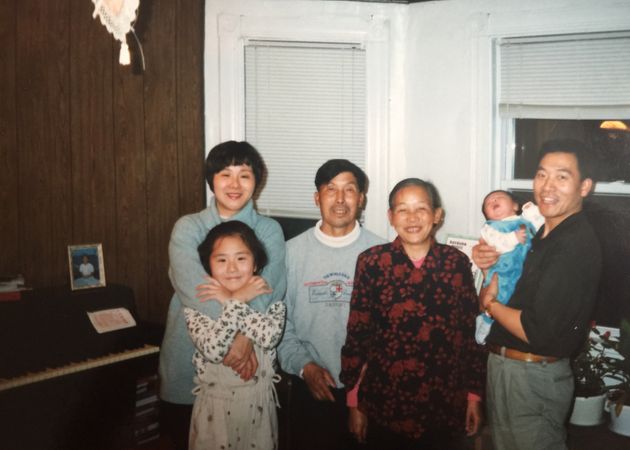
[[588, 411], [619, 424]]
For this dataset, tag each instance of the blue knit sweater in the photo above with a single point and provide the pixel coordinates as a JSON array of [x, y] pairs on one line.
[[186, 273]]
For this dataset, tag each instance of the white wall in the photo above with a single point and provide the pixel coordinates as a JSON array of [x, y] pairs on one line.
[[439, 84]]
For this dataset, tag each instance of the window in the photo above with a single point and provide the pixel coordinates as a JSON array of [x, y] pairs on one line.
[[305, 103], [574, 86], [348, 76], [562, 86]]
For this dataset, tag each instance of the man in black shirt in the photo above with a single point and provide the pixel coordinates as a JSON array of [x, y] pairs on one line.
[[530, 383]]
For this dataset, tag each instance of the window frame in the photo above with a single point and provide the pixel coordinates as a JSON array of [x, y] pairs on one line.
[[506, 138], [492, 158], [371, 32]]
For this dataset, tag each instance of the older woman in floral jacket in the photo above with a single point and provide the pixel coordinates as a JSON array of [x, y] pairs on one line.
[[411, 324]]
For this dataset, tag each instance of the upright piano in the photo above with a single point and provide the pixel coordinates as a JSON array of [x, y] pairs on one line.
[[64, 386]]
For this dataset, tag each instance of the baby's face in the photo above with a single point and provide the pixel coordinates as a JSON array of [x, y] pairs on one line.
[[498, 206]]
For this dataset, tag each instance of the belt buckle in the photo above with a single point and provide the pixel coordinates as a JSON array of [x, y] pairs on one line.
[[528, 357]]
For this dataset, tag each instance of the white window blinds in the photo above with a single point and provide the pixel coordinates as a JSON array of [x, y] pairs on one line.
[[305, 103], [585, 76]]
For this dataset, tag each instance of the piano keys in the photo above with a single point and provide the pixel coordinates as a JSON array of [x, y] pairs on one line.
[[91, 363]]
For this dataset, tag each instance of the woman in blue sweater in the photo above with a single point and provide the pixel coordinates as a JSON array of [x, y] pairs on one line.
[[233, 171]]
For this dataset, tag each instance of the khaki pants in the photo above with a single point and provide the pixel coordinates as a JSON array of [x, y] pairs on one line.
[[528, 403]]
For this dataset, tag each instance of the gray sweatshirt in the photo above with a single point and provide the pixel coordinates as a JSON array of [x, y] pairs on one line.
[[319, 286]]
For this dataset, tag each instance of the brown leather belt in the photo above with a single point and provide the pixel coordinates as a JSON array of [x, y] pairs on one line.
[[520, 356]]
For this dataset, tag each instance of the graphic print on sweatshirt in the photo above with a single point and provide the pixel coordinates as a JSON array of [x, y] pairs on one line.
[[334, 288]]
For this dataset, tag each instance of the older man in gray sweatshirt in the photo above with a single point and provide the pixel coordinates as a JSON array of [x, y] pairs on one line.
[[320, 273]]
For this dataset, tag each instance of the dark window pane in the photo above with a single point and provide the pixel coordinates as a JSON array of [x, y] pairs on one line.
[[611, 147]]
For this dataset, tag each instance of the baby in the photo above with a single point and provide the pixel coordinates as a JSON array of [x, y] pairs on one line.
[[511, 235]]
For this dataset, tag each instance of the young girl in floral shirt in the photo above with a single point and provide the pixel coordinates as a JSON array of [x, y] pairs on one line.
[[229, 412]]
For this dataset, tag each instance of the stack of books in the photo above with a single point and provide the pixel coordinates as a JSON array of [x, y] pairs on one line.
[[11, 287], [146, 423]]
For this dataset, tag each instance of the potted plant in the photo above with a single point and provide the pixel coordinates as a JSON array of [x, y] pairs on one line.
[[590, 366], [618, 403]]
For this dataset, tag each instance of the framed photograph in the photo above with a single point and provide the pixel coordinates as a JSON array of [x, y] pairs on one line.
[[86, 266]]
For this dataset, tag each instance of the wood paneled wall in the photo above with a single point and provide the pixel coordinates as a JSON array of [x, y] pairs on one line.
[[92, 151]]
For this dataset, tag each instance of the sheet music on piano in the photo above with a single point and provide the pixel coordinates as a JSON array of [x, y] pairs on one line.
[[112, 319]]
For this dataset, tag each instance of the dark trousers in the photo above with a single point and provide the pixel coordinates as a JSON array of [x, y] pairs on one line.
[[318, 425], [175, 424], [379, 438]]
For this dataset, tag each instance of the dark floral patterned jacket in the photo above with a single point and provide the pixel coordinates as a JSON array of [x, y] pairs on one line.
[[415, 330]]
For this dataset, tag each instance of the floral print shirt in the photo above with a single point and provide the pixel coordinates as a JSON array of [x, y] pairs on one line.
[[213, 338], [414, 328]]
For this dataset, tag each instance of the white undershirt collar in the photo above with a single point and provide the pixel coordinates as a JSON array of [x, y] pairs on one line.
[[336, 242]]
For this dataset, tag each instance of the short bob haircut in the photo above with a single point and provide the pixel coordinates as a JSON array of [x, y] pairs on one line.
[[333, 167], [233, 228], [509, 194], [583, 153], [233, 153], [431, 190]]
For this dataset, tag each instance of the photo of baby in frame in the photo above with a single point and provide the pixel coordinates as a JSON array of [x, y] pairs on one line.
[[86, 266]]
